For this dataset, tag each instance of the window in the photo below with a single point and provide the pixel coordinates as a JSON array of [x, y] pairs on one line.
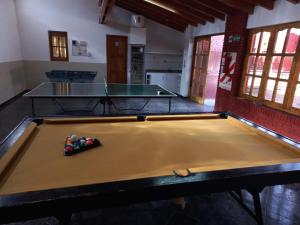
[[296, 99], [58, 44], [256, 62], [271, 74]]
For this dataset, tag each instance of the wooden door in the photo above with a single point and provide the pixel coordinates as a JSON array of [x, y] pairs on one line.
[[199, 69], [116, 47]]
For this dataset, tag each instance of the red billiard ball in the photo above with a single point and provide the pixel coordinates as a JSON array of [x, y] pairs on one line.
[[68, 148]]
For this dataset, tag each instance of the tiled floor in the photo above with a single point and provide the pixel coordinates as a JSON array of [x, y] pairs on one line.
[[280, 204], [14, 112], [214, 209]]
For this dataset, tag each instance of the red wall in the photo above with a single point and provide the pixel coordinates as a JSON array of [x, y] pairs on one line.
[[281, 122]]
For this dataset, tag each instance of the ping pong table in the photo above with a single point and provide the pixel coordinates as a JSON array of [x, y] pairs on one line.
[[103, 92]]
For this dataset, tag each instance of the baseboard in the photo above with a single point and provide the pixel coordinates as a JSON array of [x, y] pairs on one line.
[[179, 95], [11, 100]]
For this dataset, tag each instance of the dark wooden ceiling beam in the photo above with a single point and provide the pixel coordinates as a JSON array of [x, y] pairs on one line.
[[191, 12], [180, 6], [216, 5], [109, 9], [174, 16], [155, 10], [105, 9], [165, 21], [240, 5], [191, 19], [204, 9], [268, 4], [103, 5], [184, 11]]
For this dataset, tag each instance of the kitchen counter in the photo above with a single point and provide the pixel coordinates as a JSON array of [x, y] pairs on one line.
[[168, 79]]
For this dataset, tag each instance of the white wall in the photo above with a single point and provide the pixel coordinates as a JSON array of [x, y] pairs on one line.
[[163, 39], [283, 12], [79, 18], [210, 28], [187, 62], [164, 47], [163, 61], [12, 79], [10, 49]]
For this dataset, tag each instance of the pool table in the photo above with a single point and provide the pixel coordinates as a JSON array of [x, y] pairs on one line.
[[141, 158]]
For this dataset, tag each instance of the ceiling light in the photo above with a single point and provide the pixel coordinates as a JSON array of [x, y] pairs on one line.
[[161, 6]]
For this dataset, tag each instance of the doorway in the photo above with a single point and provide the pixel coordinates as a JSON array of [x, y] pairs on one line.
[[207, 56], [116, 47], [136, 61]]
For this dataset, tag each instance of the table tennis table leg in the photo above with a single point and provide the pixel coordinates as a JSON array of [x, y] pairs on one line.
[[109, 107], [32, 107], [169, 105], [110, 103], [104, 104]]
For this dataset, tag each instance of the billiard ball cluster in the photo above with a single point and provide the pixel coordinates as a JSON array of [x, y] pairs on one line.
[[75, 145]]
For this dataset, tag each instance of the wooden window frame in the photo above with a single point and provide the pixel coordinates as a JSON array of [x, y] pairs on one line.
[[295, 81], [58, 33], [294, 71]]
